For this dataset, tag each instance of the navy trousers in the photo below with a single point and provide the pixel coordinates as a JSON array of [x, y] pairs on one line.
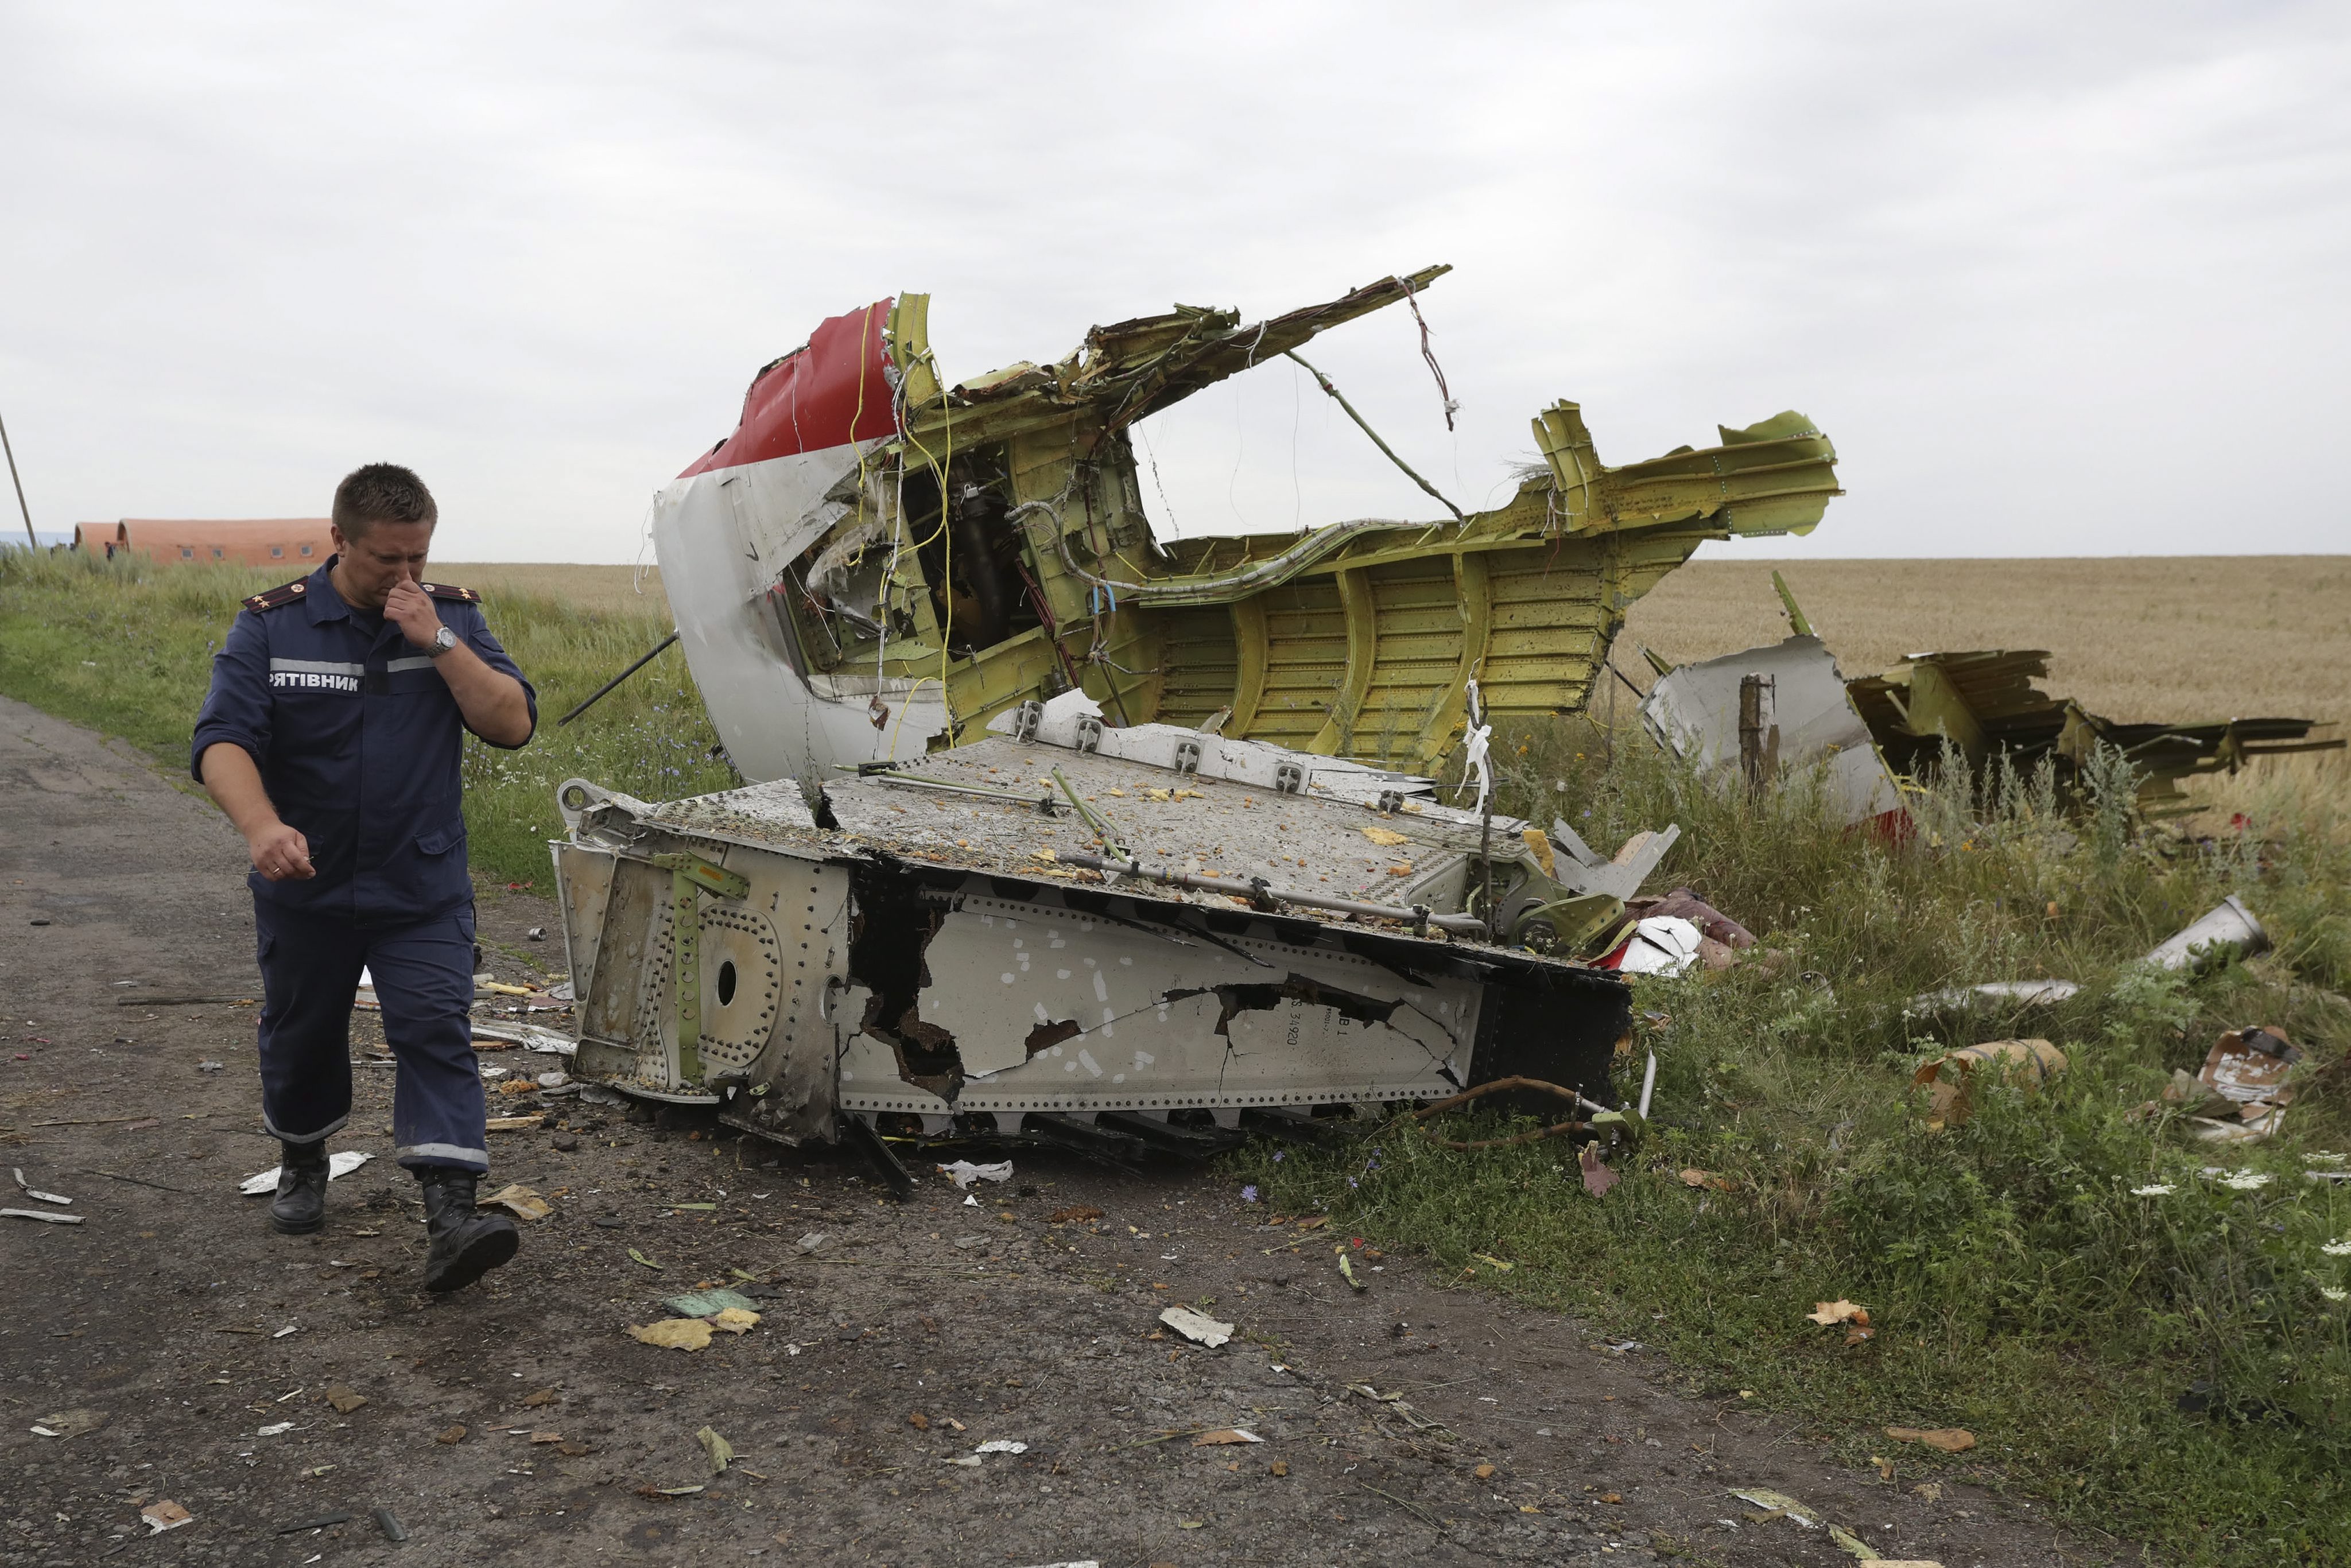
[[423, 977]]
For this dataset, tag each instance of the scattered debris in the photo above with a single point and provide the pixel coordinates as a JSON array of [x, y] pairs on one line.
[[208, 1067], [1002, 1446], [1225, 1436], [1855, 1318], [1597, 1177], [450, 1436], [2227, 928], [809, 1243], [522, 1202], [2016, 993], [515, 1124], [1982, 704], [1778, 1505], [538, 1398], [45, 1216], [963, 1172], [32, 1192], [343, 1399], [708, 1303], [1347, 1270], [1197, 1327], [388, 1522], [1750, 718], [1663, 945], [164, 1514], [674, 1334], [69, 1423], [637, 1257], [341, 1163], [1943, 1439], [1077, 1213], [275, 1429], [536, 933], [1952, 1075], [721, 1452], [324, 1522]]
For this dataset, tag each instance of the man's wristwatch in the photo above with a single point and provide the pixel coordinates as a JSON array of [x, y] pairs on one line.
[[443, 641]]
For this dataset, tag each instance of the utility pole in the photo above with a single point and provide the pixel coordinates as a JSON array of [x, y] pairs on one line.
[[31, 539]]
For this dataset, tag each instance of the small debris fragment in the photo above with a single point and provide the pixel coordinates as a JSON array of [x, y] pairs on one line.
[[164, 1514], [32, 1192], [1197, 1327], [1223, 1436], [721, 1452], [536, 933], [388, 1522], [1278, 1468], [1075, 1213], [208, 1067], [637, 1257], [1943, 1439], [809, 1243], [70, 1423], [341, 1163], [538, 1396], [1484, 1472], [274, 1429], [1855, 1318], [919, 1422], [963, 1172], [707, 1303], [323, 1521], [736, 1319], [1002, 1446], [343, 1399], [450, 1434], [674, 1334], [1597, 1177], [42, 1215], [1347, 1269], [521, 1202]]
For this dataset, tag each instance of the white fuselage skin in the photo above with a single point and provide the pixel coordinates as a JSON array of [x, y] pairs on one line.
[[723, 538]]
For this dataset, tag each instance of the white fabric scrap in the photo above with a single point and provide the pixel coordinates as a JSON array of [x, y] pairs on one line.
[[963, 1172], [341, 1163]]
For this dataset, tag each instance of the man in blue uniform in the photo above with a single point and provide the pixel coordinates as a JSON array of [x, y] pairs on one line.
[[332, 738]]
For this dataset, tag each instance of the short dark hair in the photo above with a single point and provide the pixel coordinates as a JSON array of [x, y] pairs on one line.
[[382, 493]]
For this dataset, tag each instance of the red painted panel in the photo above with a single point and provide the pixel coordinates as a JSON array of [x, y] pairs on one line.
[[828, 393]]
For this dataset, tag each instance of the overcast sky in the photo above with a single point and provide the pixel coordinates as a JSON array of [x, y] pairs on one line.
[[2057, 280]]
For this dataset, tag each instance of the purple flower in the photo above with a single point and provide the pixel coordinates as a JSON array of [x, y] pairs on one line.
[[1249, 1194], [1278, 1153], [1352, 1182]]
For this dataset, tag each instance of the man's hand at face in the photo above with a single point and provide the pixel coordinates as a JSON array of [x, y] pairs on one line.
[[410, 608]]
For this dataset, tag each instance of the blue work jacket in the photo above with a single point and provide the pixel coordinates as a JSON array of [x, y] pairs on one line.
[[358, 740]]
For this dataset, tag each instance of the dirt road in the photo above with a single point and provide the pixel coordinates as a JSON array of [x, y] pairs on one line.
[[221, 1362]]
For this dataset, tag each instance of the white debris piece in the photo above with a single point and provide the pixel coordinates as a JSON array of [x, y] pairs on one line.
[[1002, 1446], [1661, 945], [963, 1172], [44, 1216], [274, 1429], [1197, 1327], [33, 1192], [341, 1163]]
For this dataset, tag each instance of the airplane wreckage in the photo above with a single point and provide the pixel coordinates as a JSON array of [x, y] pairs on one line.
[[1785, 709], [1058, 831]]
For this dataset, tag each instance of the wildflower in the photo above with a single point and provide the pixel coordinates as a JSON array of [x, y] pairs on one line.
[[2154, 1189], [1278, 1153], [2332, 1294], [2245, 1181], [1249, 1194], [2337, 1248], [1352, 1182]]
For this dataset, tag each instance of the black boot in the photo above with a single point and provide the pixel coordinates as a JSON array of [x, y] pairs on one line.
[[464, 1244], [300, 1206]]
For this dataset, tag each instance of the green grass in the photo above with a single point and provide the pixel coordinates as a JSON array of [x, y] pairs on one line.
[[126, 647], [2017, 1285]]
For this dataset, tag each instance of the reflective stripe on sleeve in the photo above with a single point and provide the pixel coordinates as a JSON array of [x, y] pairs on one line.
[[313, 667], [397, 665]]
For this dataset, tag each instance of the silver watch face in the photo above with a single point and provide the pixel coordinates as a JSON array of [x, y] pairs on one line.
[[444, 639]]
